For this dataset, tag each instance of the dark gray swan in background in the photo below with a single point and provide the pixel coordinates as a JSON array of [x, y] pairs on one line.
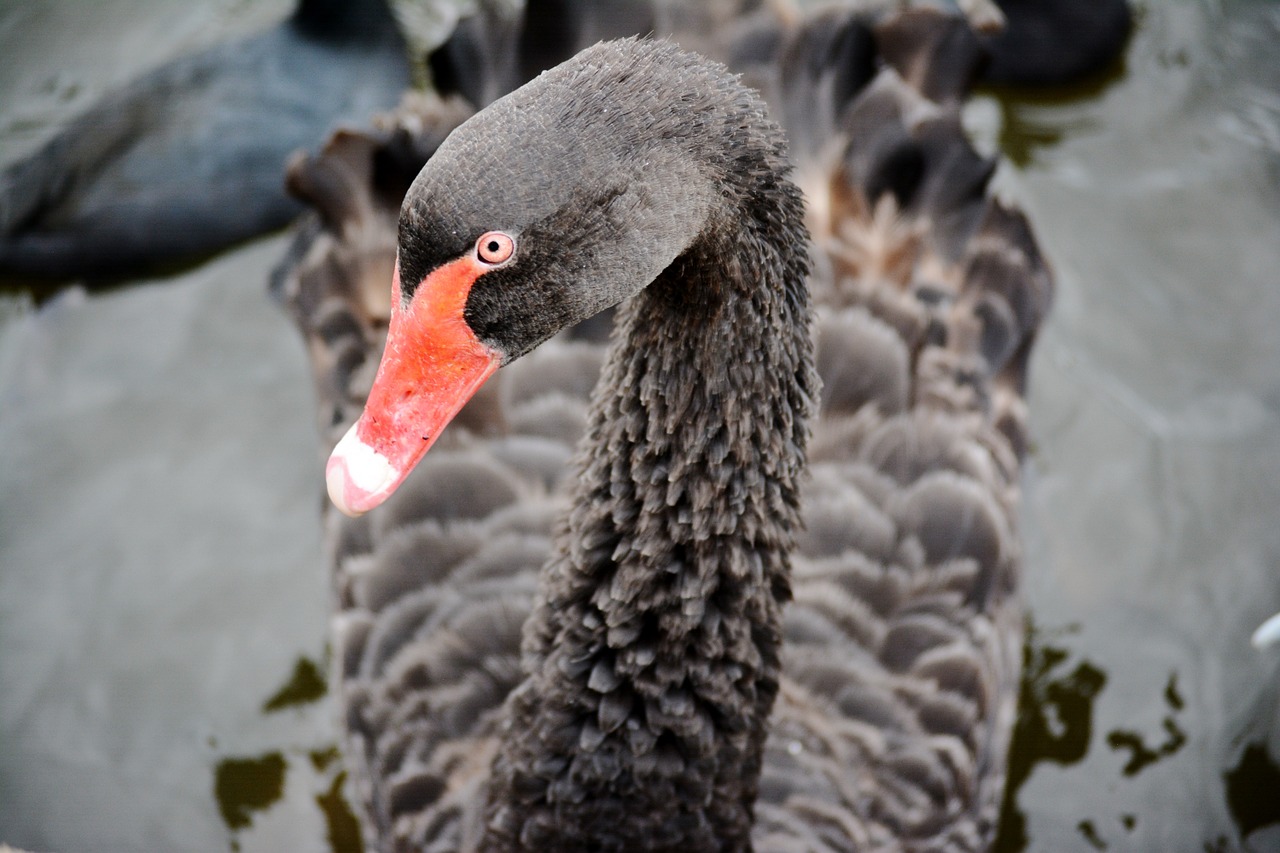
[[186, 160], [1024, 43], [726, 640]]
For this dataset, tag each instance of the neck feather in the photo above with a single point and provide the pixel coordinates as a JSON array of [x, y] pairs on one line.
[[652, 657]]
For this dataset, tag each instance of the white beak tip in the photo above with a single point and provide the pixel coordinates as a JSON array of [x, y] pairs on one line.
[[358, 477]]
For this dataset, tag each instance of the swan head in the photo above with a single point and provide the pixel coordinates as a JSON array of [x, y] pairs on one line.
[[557, 201]]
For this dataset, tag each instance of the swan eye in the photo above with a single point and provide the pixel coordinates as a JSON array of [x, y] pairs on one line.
[[495, 248]]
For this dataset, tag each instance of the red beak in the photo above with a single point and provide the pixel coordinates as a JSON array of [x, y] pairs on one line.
[[432, 365]]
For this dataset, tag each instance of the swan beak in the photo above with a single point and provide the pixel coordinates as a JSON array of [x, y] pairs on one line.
[[433, 364], [358, 477], [380, 449]]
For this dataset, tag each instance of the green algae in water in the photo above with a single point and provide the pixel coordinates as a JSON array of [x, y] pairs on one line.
[[322, 758], [1090, 834], [341, 826], [1055, 723], [305, 685], [1142, 756], [243, 786]]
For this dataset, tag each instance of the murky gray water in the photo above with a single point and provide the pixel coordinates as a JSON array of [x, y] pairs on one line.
[[162, 601], [1154, 500]]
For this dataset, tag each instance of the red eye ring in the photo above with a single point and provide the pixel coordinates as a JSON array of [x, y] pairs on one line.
[[494, 248]]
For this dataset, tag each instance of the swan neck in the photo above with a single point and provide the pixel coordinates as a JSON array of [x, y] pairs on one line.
[[652, 656]]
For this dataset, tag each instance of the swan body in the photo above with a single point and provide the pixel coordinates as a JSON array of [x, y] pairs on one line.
[[717, 645], [1052, 43], [1021, 43], [186, 159], [501, 46]]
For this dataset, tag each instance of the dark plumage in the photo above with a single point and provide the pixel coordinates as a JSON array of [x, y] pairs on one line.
[[664, 694], [187, 159], [1024, 43], [500, 47], [1054, 43], [653, 652]]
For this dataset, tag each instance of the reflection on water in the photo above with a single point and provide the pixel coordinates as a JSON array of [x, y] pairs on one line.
[[162, 598], [1031, 123]]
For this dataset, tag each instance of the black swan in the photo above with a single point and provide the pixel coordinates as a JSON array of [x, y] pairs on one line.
[[1056, 43], [500, 45], [1024, 43], [717, 647], [186, 160]]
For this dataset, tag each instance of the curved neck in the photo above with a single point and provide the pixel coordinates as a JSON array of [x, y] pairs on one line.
[[651, 659]]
